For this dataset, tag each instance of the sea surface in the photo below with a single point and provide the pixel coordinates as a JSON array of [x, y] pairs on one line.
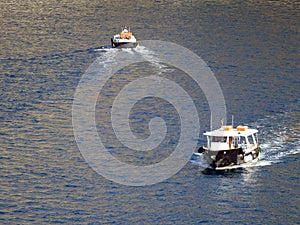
[[48, 47]]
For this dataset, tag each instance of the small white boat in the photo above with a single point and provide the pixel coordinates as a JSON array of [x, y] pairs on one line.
[[229, 148], [125, 39]]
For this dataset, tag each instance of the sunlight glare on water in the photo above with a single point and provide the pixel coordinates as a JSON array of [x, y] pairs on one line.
[[46, 47]]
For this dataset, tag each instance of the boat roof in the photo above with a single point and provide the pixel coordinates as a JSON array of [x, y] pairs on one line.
[[229, 131]]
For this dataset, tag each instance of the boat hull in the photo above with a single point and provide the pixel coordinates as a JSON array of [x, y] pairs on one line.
[[230, 159], [123, 44]]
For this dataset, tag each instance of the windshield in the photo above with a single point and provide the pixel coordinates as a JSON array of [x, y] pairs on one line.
[[219, 139]]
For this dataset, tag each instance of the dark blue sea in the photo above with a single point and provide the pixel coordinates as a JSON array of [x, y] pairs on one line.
[[68, 100]]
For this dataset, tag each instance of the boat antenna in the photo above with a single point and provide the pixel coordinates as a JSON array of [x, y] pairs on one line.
[[210, 121], [222, 122], [232, 119]]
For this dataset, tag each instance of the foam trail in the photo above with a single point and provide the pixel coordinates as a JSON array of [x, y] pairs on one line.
[[151, 57], [279, 137]]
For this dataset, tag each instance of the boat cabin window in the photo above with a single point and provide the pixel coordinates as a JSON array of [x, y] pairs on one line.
[[235, 141], [250, 139], [242, 140], [256, 137], [219, 139]]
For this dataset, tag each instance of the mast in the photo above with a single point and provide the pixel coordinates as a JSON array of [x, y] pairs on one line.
[[210, 121]]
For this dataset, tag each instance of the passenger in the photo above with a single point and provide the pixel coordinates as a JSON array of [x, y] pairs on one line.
[[244, 145]]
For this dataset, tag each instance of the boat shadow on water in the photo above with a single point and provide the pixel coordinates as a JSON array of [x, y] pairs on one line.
[[226, 173]]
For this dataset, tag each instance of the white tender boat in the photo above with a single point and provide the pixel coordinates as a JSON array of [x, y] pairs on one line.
[[125, 39], [229, 148]]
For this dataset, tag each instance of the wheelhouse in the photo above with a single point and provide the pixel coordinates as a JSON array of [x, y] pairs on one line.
[[227, 138]]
